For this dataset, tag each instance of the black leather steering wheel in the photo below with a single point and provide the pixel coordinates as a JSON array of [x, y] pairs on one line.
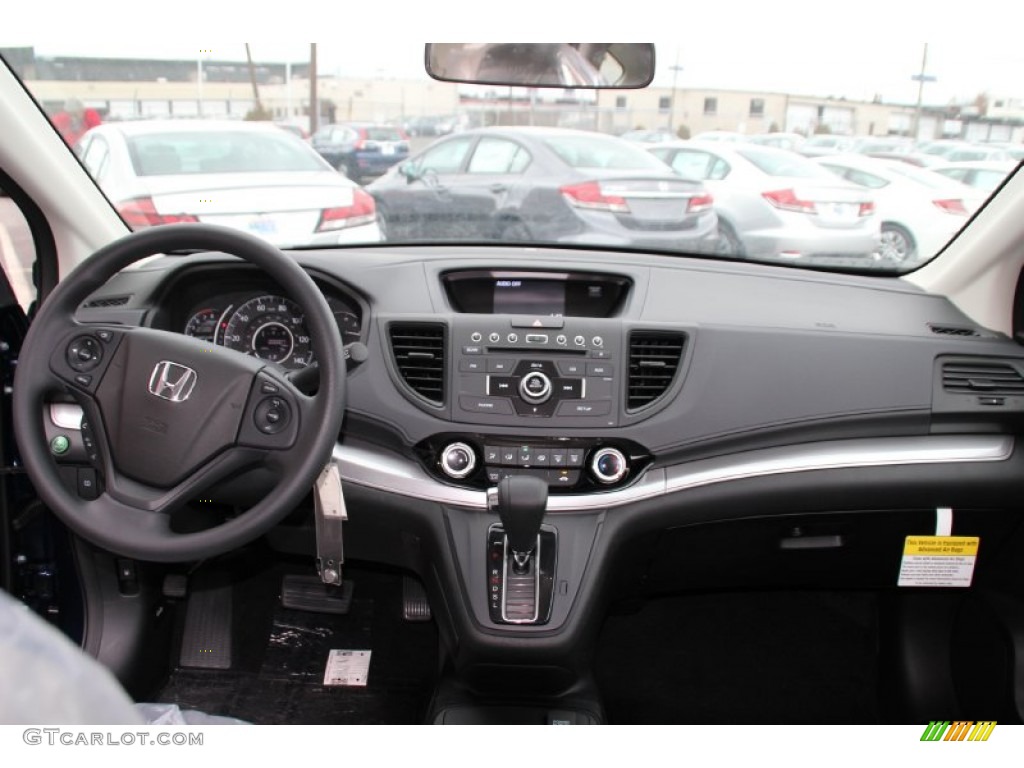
[[168, 416]]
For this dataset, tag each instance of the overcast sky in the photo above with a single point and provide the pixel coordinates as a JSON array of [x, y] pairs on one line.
[[828, 47]]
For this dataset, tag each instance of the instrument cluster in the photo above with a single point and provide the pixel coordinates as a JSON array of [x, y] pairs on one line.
[[266, 325]]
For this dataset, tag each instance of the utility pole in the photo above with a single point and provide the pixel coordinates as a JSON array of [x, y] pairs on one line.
[[676, 69], [921, 79], [255, 88], [314, 105]]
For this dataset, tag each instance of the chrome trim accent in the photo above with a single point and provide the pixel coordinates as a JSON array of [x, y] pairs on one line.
[[387, 472], [843, 454], [66, 416]]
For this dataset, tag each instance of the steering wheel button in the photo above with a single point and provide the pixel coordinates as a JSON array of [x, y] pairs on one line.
[[60, 445], [83, 380], [271, 415], [268, 388], [105, 336], [83, 353]]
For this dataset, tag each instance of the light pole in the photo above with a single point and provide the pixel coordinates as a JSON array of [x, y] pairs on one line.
[[921, 79], [676, 69]]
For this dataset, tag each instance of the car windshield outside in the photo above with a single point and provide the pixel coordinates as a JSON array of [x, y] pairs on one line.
[[427, 166]]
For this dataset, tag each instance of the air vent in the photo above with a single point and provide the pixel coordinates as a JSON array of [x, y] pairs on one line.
[[107, 301], [953, 330], [419, 353], [653, 361], [982, 378]]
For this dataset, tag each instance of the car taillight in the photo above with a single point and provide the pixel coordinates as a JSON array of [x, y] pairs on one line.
[[867, 209], [700, 203], [139, 213], [362, 211], [951, 206], [589, 195], [787, 200]]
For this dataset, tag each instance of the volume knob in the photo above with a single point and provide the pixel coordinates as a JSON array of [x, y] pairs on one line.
[[535, 387]]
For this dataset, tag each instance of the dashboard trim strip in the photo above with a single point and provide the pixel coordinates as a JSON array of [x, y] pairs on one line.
[[368, 468]]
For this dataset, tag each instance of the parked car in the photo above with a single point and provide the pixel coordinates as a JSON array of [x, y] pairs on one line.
[[919, 211], [361, 150], [641, 136], [774, 204], [984, 175], [780, 140], [555, 184], [826, 144], [245, 175]]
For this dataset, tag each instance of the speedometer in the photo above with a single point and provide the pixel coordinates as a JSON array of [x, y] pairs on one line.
[[271, 328]]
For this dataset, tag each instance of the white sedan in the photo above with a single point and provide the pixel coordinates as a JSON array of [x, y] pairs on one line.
[[245, 175], [919, 210]]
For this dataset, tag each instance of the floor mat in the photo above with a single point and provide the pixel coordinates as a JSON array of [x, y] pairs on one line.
[[768, 658], [280, 657]]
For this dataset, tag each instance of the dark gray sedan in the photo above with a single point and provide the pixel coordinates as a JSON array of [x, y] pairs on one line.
[[544, 185]]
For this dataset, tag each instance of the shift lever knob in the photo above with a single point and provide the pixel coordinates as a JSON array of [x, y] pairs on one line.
[[521, 501]]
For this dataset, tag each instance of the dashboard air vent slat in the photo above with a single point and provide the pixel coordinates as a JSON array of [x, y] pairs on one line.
[[419, 353], [107, 301], [988, 378], [654, 358], [953, 330]]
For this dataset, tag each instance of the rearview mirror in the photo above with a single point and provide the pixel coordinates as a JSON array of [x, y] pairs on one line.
[[553, 65]]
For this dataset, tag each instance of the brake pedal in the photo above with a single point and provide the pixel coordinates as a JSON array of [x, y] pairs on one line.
[[309, 593], [415, 606]]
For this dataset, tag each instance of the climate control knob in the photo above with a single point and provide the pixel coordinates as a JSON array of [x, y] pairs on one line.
[[535, 387], [458, 460], [609, 465]]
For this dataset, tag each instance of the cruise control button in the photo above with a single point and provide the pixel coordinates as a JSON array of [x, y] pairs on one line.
[[271, 415], [495, 405]]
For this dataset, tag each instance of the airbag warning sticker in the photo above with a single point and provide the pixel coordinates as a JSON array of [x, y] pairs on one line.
[[938, 561]]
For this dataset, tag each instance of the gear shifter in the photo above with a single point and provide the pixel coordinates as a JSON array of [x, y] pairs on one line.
[[520, 501]]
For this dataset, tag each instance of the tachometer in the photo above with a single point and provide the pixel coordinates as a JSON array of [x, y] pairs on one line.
[[203, 325], [271, 328]]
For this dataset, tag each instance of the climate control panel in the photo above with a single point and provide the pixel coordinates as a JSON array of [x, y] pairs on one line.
[[566, 465]]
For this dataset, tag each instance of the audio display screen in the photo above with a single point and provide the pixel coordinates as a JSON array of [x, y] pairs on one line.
[[515, 296], [572, 294]]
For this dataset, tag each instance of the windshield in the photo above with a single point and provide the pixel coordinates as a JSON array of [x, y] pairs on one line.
[[352, 143]]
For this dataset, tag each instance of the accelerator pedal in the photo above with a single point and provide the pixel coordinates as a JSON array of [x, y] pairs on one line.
[[309, 593], [415, 606]]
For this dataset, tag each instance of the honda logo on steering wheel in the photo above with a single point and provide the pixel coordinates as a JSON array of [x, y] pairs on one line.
[[172, 381]]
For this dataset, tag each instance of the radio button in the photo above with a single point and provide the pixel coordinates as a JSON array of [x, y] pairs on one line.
[[500, 386], [476, 337], [500, 365], [494, 338], [579, 341], [496, 405], [599, 369], [572, 368], [471, 366], [536, 338], [561, 340], [473, 350], [512, 338], [587, 408]]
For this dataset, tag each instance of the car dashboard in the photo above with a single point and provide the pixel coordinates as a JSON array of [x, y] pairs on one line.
[[818, 418]]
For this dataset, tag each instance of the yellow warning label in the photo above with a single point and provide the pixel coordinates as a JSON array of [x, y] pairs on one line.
[[942, 546]]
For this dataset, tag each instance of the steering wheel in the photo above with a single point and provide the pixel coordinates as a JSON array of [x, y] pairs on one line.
[[167, 416]]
